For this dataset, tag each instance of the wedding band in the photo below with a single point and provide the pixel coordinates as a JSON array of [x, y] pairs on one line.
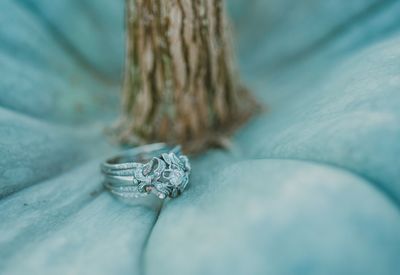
[[157, 169]]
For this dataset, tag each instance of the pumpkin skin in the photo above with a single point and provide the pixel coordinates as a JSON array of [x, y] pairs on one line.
[[311, 187]]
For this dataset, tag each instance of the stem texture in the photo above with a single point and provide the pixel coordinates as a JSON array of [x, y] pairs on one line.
[[180, 85]]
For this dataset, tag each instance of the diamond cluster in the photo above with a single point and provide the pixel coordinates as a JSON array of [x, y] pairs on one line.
[[165, 176]]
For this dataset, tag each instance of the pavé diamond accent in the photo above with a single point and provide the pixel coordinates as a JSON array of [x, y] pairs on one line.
[[166, 176]]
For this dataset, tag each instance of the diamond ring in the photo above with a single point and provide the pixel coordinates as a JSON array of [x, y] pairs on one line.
[[156, 169]]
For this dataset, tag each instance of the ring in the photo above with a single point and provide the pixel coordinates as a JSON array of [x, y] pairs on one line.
[[156, 169]]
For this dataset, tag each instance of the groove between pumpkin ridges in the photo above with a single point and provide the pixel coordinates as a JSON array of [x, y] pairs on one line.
[[333, 34], [143, 251], [65, 211], [377, 185]]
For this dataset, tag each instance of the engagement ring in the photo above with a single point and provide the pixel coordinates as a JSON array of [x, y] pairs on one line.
[[156, 169]]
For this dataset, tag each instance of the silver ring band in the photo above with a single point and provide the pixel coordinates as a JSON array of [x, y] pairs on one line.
[[150, 169], [130, 159]]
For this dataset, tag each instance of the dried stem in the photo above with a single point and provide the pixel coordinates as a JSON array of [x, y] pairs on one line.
[[180, 85]]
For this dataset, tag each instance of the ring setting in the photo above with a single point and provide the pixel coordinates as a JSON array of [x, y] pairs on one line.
[[156, 169]]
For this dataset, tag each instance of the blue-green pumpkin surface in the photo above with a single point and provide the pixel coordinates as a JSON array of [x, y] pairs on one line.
[[311, 186]]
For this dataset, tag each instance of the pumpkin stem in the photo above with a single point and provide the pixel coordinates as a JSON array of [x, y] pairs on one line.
[[180, 85]]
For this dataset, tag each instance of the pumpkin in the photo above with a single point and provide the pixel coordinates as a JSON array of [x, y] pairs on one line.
[[312, 186]]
